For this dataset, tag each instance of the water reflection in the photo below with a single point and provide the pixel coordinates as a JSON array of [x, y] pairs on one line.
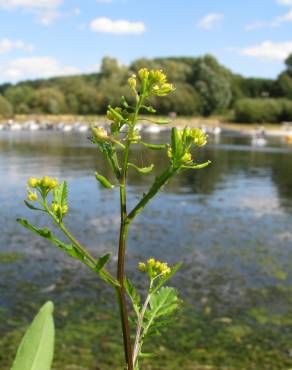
[[230, 223]]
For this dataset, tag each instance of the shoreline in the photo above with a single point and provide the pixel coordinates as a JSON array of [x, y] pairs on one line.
[[209, 123]]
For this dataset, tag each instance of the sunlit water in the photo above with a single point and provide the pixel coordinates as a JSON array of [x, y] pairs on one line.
[[230, 224]]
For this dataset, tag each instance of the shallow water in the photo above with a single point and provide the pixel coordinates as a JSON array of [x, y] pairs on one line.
[[229, 223]]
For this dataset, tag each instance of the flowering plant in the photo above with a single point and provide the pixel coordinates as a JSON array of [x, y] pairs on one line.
[[49, 196]]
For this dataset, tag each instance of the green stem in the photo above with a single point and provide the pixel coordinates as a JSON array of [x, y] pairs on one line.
[[123, 245]]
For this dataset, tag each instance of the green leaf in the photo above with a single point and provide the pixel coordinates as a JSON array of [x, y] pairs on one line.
[[37, 346], [176, 144], [102, 261], [60, 194], [143, 170], [196, 166], [149, 109], [31, 206], [154, 146], [47, 234], [103, 181], [161, 121], [133, 294], [124, 102], [163, 303]]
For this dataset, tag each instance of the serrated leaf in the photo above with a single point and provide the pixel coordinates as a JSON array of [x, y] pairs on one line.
[[47, 234], [37, 346], [102, 261], [163, 302], [154, 146], [31, 206], [143, 170]]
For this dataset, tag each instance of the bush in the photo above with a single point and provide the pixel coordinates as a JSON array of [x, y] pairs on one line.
[[5, 108], [263, 110]]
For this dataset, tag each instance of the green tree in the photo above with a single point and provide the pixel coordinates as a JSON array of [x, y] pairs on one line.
[[49, 100], [6, 109]]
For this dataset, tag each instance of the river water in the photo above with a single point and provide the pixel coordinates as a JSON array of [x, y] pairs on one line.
[[229, 223]]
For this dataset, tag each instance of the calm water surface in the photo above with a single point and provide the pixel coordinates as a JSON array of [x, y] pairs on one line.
[[230, 224]]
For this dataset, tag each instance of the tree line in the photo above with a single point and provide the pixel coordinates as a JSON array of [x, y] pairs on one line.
[[203, 88]]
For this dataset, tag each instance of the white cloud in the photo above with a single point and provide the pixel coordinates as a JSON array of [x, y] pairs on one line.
[[34, 67], [268, 51], [7, 45], [210, 21], [276, 22], [118, 27], [285, 2], [45, 11]]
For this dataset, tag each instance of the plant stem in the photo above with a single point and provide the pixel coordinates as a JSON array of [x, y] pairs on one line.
[[123, 244], [139, 327]]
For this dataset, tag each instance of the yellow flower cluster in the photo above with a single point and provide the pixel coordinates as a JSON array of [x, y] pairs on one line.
[[154, 268], [153, 81], [45, 182]]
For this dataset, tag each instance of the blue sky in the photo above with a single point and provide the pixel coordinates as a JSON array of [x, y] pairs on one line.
[[42, 38]]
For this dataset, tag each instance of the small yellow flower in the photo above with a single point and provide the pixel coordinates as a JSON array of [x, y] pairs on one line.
[[157, 76], [151, 262], [64, 209], [33, 182], [54, 183], [32, 196], [132, 82], [142, 266], [55, 207], [143, 73], [45, 181], [199, 137]]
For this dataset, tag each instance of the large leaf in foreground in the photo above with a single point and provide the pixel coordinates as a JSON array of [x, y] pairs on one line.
[[37, 346]]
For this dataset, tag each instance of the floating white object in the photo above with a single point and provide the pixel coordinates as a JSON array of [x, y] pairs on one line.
[[152, 129]]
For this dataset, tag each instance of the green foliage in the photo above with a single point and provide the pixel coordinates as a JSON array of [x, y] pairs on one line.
[[37, 346], [203, 86], [263, 110], [6, 109]]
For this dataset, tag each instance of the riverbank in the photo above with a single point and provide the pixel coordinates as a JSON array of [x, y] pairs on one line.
[[34, 122]]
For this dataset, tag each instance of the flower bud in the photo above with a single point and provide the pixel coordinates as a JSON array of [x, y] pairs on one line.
[[32, 196], [142, 266], [143, 73], [33, 182], [187, 157], [132, 82], [99, 133]]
